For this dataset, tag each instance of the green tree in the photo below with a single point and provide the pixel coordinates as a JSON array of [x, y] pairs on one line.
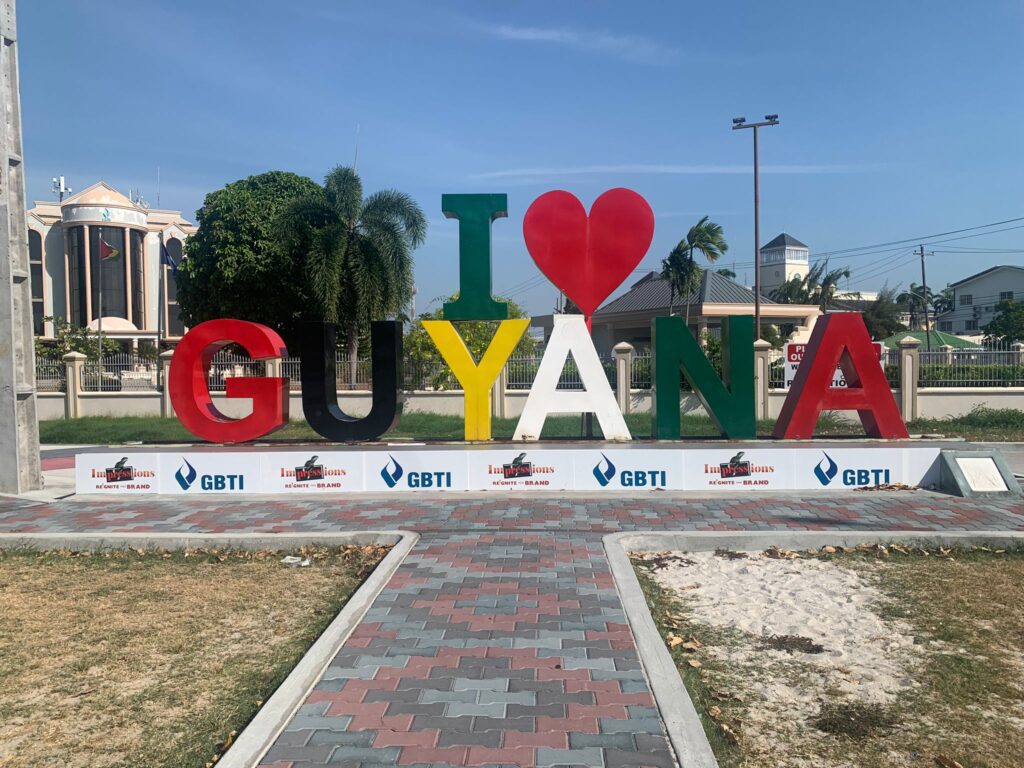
[[882, 316], [1008, 325], [421, 351], [357, 253], [917, 299], [680, 269], [816, 287], [234, 266], [72, 338], [726, 272], [943, 301]]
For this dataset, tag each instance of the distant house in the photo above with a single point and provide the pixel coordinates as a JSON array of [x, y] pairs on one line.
[[975, 299], [628, 317]]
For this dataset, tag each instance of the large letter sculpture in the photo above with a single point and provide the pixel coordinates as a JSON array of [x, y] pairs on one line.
[[190, 371], [729, 400], [840, 339], [320, 386], [476, 380], [475, 214], [569, 336]]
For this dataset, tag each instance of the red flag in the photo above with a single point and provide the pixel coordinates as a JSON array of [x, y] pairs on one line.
[[106, 252]]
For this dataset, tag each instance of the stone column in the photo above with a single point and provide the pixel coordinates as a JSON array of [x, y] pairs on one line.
[[910, 371], [762, 374], [73, 363], [1018, 348], [947, 353], [166, 409], [623, 374]]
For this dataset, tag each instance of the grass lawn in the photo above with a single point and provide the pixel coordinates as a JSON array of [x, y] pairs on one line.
[[110, 430], [958, 615], [153, 660]]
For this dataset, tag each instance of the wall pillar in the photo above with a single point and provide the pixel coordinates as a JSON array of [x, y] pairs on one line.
[[623, 375], [73, 364], [947, 353], [166, 409], [910, 372], [1018, 348], [762, 375], [499, 402]]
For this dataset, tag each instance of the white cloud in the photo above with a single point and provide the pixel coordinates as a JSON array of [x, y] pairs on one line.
[[639, 50]]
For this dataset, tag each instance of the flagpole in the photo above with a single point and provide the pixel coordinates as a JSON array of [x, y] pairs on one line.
[[162, 292]]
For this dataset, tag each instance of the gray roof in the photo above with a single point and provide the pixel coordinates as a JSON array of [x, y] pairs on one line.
[[784, 241], [651, 293], [984, 272]]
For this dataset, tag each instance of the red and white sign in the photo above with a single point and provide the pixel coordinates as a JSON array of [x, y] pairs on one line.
[[795, 354]]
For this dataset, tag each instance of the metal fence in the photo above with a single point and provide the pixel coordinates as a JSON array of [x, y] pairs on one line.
[[972, 368], [120, 372], [521, 371], [50, 376]]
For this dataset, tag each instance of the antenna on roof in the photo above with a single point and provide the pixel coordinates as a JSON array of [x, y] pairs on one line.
[[158, 186], [355, 160], [60, 188]]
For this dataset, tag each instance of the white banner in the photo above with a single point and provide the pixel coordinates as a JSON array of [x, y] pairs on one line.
[[735, 468]]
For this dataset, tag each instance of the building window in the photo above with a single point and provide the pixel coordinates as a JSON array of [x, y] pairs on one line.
[[1006, 295], [138, 279], [35, 267], [970, 325], [966, 299], [74, 238], [175, 327], [110, 271], [946, 326]]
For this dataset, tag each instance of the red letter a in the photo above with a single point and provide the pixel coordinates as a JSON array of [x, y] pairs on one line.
[[840, 339]]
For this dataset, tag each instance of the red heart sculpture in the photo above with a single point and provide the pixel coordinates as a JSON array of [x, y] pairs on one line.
[[588, 257]]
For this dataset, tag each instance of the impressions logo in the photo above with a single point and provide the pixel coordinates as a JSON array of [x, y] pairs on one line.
[[735, 467], [309, 471], [119, 473], [826, 469], [186, 475], [391, 477], [604, 476], [518, 468]]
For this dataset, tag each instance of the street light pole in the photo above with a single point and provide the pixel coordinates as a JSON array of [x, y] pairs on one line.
[[737, 123]]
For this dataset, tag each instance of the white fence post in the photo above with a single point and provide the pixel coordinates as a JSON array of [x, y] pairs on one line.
[[623, 375], [910, 370], [762, 373], [73, 362], [166, 408]]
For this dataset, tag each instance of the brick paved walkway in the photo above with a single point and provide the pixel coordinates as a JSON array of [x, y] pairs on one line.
[[501, 639]]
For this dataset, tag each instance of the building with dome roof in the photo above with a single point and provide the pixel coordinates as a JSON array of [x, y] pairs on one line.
[[65, 266]]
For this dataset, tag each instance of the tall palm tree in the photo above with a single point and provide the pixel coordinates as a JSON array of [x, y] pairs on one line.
[[357, 252], [681, 270], [917, 300]]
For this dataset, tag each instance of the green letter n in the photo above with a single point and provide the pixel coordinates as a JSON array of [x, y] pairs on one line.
[[729, 400], [475, 214]]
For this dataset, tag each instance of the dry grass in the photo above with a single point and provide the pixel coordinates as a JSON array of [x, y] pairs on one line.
[[153, 659], [966, 609]]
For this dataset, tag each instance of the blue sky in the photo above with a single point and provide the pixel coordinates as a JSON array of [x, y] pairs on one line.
[[899, 120]]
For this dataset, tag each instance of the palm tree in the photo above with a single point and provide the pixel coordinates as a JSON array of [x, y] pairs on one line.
[[917, 299], [357, 252], [816, 287], [943, 301], [680, 269]]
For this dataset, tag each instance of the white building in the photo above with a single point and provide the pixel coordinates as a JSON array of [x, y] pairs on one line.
[[975, 299], [64, 256], [782, 259]]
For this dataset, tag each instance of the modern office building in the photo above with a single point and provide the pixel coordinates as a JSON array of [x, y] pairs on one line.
[[66, 243]]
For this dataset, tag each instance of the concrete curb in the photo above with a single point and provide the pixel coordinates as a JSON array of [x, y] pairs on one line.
[[682, 723], [266, 725]]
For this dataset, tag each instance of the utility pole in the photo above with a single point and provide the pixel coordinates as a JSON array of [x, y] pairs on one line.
[[19, 449], [738, 123], [924, 301]]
